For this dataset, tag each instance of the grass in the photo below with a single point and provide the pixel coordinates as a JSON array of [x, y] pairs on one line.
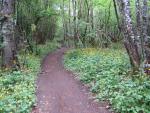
[[106, 71]]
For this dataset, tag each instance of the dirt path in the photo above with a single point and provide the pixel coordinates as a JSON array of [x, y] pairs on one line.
[[59, 92]]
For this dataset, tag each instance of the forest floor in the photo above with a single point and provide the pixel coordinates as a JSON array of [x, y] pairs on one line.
[[59, 92]]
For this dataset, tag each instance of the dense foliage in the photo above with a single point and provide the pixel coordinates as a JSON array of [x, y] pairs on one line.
[[107, 72], [36, 26], [17, 88]]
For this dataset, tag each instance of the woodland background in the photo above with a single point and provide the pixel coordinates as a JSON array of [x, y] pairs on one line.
[[29, 29]]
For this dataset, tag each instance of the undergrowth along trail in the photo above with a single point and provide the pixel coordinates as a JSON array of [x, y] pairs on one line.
[[106, 71], [17, 88]]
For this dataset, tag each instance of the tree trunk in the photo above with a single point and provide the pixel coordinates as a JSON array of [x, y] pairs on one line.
[[9, 50], [92, 15], [129, 36], [117, 16], [64, 20], [144, 32], [74, 4], [69, 13]]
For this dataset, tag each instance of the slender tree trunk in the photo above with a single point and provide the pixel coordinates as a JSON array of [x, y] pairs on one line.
[[69, 13], [64, 23], [117, 16], [92, 15], [129, 35], [138, 29], [144, 32], [74, 4], [88, 14], [9, 50]]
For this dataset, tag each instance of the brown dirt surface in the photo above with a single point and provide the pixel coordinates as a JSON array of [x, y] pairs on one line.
[[59, 92]]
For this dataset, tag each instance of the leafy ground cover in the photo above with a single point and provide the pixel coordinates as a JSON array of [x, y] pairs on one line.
[[17, 88], [107, 73]]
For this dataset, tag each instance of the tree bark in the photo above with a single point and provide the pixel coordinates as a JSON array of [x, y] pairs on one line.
[[117, 16], [9, 50], [92, 15], [144, 32], [74, 4], [129, 35]]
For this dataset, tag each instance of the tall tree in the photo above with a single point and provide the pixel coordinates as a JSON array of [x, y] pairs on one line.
[[136, 40], [116, 13], [74, 5], [9, 50], [129, 35], [144, 31]]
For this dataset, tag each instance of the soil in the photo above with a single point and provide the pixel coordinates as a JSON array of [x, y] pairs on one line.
[[59, 92]]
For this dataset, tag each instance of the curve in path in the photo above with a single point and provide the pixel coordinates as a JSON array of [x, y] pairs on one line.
[[59, 92]]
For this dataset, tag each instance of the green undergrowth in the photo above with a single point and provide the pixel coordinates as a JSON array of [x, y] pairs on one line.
[[48, 47], [17, 88], [106, 71]]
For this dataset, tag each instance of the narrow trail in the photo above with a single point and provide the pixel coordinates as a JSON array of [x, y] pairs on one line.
[[59, 92]]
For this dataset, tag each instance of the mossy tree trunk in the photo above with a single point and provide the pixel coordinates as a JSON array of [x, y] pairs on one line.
[[9, 50]]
